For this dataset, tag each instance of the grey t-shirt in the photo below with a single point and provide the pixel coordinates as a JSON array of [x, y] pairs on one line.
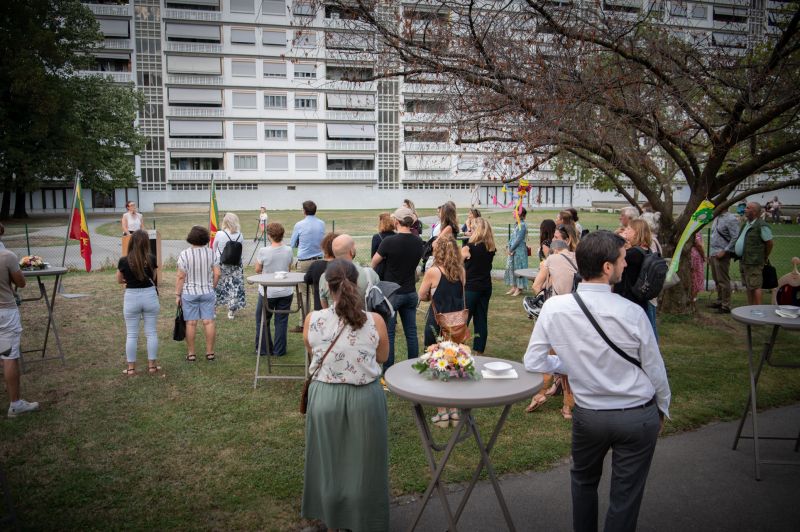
[[366, 276], [8, 265], [275, 260]]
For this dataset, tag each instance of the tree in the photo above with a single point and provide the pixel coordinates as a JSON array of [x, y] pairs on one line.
[[55, 125], [618, 95]]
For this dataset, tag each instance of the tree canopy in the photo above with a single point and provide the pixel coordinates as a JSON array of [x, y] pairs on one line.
[[55, 124]]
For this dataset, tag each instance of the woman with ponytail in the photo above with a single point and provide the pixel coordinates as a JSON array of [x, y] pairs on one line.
[[137, 271], [346, 478]]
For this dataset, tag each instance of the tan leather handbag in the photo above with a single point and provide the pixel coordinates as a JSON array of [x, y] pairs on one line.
[[453, 325]]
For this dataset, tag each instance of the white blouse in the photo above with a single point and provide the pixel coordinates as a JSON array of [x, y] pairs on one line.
[[352, 359], [134, 221]]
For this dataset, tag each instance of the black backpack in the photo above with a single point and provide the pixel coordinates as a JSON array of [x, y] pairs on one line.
[[232, 252], [380, 298], [651, 277]]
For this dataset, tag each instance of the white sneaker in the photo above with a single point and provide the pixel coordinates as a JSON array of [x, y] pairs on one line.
[[231, 315], [22, 407]]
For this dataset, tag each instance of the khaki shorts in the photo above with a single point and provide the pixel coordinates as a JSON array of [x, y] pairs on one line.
[[752, 276], [10, 333]]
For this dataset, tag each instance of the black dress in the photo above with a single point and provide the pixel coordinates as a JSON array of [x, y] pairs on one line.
[[448, 297]]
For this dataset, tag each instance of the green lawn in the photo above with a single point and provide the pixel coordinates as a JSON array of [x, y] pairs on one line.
[[199, 449]]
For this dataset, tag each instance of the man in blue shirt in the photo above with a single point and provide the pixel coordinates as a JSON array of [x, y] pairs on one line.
[[307, 238]]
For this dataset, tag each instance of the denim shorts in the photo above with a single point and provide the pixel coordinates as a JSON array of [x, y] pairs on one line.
[[10, 333], [199, 307]]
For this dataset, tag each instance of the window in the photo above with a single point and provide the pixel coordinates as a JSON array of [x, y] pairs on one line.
[[273, 7], [276, 162], [243, 36], [426, 106], [244, 100], [210, 129], [245, 131], [103, 200], [303, 9], [305, 70], [305, 39], [699, 11], [351, 131], [274, 101], [274, 70], [305, 102], [677, 10], [734, 15], [306, 162], [193, 33], [350, 101], [243, 68], [305, 132], [242, 6], [348, 73], [273, 38], [245, 162], [187, 64], [351, 162], [276, 132]]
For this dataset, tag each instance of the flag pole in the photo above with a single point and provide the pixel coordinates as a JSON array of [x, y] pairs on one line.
[[69, 221]]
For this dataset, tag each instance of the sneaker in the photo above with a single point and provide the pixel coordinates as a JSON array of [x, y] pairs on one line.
[[22, 407], [231, 315]]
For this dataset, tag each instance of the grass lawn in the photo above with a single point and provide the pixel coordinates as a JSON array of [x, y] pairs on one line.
[[199, 449]]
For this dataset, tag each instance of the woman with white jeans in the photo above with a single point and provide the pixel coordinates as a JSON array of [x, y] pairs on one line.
[[137, 272]]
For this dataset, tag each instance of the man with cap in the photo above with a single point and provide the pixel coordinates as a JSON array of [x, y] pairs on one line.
[[344, 247], [402, 253]]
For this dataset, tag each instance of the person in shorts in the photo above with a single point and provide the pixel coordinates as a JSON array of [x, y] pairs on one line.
[[753, 247], [11, 331], [198, 275]]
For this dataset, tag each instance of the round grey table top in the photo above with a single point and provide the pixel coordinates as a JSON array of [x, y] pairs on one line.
[[268, 279], [407, 383], [763, 315], [52, 270], [528, 273]]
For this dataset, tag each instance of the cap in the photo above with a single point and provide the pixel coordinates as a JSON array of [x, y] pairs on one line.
[[403, 212]]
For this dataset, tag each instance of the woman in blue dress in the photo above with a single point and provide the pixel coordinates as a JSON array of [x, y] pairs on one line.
[[517, 256]]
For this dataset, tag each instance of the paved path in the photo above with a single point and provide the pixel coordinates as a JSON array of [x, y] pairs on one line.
[[696, 483]]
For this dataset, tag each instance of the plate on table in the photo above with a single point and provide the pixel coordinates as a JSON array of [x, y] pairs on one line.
[[788, 311], [497, 367]]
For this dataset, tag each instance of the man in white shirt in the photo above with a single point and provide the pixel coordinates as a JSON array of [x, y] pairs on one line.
[[618, 405]]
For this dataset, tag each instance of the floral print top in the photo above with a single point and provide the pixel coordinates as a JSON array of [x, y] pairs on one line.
[[352, 359]]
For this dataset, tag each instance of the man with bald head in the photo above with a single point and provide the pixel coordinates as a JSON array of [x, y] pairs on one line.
[[344, 247], [753, 247]]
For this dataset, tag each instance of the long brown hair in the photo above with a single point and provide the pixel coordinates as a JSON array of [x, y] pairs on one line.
[[447, 257], [139, 254], [342, 278], [482, 232]]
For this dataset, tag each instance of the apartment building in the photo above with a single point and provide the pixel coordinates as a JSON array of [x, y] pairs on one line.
[[250, 94]]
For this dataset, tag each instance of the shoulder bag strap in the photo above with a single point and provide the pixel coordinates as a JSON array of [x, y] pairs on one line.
[[611, 344], [322, 360], [574, 267]]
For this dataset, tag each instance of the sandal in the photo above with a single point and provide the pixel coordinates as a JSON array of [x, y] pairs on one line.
[[441, 420], [152, 370], [555, 389], [455, 417], [130, 372], [191, 357], [210, 356], [566, 412], [536, 402]]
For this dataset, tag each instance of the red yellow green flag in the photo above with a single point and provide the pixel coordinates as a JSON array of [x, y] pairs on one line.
[[78, 230], [213, 219]]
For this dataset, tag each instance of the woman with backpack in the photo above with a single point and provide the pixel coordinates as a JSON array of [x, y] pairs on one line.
[[637, 236], [228, 250]]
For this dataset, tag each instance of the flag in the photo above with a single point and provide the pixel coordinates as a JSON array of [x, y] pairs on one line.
[[700, 217], [213, 218], [78, 230]]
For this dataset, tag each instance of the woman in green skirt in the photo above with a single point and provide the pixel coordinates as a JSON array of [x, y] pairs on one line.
[[346, 480]]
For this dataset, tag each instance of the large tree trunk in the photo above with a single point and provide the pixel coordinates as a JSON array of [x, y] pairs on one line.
[[678, 299], [5, 207], [19, 204]]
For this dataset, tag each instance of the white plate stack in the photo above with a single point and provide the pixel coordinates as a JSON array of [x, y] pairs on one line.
[[788, 311]]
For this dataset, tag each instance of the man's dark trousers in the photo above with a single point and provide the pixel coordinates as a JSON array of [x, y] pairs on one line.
[[632, 435]]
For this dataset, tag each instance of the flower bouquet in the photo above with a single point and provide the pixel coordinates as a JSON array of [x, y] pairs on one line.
[[32, 262], [447, 360]]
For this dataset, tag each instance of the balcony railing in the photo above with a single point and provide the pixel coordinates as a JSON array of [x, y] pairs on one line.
[[426, 118], [198, 144], [189, 14], [351, 175], [195, 112], [430, 175], [194, 47], [430, 146], [423, 88], [194, 80], [350, 85], [368, 116], [196, 175], [344, 24], [115, 11], [353, 145], [118, 44], [117, 77]]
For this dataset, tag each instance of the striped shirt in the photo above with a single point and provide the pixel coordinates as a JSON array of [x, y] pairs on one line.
[[198, 265]]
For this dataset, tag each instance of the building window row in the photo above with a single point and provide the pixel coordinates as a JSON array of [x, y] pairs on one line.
[[214, 129]]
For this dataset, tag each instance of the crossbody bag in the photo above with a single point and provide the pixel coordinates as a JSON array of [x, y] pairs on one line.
[[603, 335]]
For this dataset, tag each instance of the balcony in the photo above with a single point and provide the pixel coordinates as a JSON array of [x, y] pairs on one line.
[[351, 145], [431, 175], [361, 56], [423, 88], [351, 175], [200, 47], [195, 112], [114, 11], [344, 24], [189, 14], [350, 85], [368, 116], [424, 118], [116, 77], [194, 80], [196, 144], [430, 146], [196, 175], [117, 44]]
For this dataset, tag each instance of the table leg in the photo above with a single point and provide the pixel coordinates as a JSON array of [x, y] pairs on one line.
[[51, 320], [486, 462], [260, 339], [436, 470]]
